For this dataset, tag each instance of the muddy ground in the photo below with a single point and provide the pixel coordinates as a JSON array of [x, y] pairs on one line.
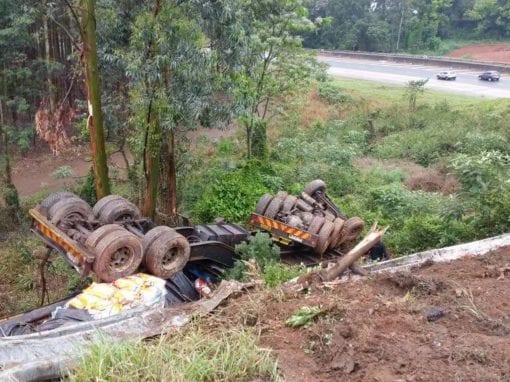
[[484, 52], [378, 330]]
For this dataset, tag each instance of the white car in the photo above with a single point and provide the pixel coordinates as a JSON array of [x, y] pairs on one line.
[[447, 75]]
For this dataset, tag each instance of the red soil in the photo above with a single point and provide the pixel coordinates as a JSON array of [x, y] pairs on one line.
[[491, 53]]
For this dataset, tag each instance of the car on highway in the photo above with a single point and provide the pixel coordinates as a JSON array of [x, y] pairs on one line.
[[447, 75], [490, 75]]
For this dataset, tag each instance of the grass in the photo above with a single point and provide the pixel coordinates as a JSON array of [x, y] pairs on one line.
[[195, 354], [385, 95]]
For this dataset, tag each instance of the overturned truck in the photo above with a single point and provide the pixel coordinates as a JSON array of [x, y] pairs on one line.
[[113, 240]]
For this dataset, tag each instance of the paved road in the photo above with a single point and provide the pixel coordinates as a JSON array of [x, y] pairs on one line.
[[399, 73]]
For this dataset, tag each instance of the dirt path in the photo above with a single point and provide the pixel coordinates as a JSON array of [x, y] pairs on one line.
[[484, 52]]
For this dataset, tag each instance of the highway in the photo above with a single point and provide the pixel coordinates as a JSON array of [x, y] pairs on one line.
[[467, 81]]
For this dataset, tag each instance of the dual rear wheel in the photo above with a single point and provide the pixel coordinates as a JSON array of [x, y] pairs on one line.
[[119, 252]]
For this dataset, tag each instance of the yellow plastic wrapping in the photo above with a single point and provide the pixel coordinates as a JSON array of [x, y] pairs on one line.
[[106, 299]]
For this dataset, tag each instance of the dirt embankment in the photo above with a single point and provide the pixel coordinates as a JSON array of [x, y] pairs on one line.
[[446, 322], [487, 52]]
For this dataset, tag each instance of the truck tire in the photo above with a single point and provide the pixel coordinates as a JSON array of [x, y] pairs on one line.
[[316, 224], [262, 204], [329, 216], [314, 186], [55, 197], [304, 206], [72, 208], [117, 211], [352, 229], [307, 218], [273, 208], [99, 233], [104, 201], [294, 221], [336, 235], [118, 254], [289, 203], [324, 237], [166, 252]]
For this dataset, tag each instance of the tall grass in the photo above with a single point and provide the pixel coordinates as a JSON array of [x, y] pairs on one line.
[[192, 355]]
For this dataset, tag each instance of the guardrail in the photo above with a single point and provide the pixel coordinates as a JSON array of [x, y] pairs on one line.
[[419, 59]]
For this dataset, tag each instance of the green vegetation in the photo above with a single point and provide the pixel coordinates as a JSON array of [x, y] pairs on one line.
[[417, 26], [304, 316], [196, 354], [432, 174]]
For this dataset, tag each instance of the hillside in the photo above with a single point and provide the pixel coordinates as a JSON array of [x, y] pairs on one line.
[[484, 52]]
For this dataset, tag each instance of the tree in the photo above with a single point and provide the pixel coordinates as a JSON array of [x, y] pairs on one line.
[[262, 51], [413, 89], [492, 17], [95, 118], [174, 85]]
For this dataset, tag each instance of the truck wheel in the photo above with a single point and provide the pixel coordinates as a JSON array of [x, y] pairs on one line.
[[166, 252], [72, 208], [294, 221], [273, 208], [307, 218], [316, 224], [304, 206], [329, 216], [118, 254], [352, 229], [104, 201], [101, 232], [289, 203], [117, 210], [324, 237], [55, 197], [314, 186], [336, 235], [262, 204]]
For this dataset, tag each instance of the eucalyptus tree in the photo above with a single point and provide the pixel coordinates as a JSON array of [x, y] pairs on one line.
[[260, 45], [93, 84], [17, 65], [173, 85]]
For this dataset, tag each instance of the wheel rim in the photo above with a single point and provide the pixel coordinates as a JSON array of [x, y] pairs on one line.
[[124, 218], [121, 259], [169, 258], [74, 216]]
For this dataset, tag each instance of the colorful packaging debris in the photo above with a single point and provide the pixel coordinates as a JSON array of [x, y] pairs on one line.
[[107, 299]]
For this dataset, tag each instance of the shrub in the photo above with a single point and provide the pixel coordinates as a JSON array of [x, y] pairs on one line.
[[277, 273], [331, 92], [232, 195], [62, 172], [260, 248]]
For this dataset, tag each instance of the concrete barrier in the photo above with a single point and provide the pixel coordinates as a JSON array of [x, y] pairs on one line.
[[419, 59]]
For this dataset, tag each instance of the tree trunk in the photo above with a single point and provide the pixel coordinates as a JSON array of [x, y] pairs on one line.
[[9, 191], [153, 163], [373, 236], [47, 58], [170, 196], [95, 119]]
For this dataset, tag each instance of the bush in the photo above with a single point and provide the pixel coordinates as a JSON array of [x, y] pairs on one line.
[[420, 232], [232, 195], [331, 92], [260, 248], [277, 273]]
